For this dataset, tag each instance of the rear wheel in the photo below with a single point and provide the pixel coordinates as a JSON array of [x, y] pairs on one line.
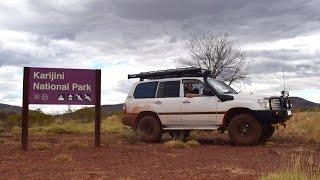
[[180, 134], [267, 132], [244, 130], [150, 129]]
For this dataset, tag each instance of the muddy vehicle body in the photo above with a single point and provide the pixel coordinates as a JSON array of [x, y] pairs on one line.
[[161, 102]]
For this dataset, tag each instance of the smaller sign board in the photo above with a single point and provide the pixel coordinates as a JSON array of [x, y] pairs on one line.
[[62, 86]]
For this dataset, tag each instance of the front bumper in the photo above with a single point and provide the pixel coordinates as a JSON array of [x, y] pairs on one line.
[[272, 116]]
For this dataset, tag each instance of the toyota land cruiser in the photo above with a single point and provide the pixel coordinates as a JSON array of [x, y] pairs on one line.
[[180, 100]]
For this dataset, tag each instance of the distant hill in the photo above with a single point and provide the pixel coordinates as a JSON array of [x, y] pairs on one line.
[[9, 108], [111, 108], [298, 102]]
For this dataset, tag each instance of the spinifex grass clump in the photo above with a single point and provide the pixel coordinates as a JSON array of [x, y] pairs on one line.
[[298, 168], [130, 136], [176, 143], [41, 146], [76, 144], [180, 143], [305, 124], [62, 158]]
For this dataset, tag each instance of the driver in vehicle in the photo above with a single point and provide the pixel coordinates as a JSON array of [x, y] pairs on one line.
[[190, 91]]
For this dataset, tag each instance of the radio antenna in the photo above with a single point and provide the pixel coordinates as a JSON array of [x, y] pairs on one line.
[[284, 83]]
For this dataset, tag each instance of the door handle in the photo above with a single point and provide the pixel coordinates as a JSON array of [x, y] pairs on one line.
[[186, 102], [158, 102]]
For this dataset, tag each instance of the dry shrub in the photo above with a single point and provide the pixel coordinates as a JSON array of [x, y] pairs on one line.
[[62, 158], [112, 125], [177, 144], [180, 143], [41, 146], [76, 145], [192, 143], [11, 143], [297, 168], [306, 124], [130, 135]]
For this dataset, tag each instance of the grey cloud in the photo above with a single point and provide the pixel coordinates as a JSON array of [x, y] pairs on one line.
[[129, 20], [151, 32]]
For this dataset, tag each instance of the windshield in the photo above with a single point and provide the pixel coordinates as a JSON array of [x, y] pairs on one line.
[[221, 87]]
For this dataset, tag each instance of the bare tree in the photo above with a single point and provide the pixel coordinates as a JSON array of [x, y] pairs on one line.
[[217, 53]]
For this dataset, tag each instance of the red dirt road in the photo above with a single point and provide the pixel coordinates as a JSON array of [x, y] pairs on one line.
[[215, 158]]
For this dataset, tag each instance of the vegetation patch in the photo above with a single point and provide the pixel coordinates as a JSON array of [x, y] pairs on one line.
[[62, 158], [304, 124], [130, 136], [112, 125], [297, 168], [76, 145], [178, 144], [58, 129], [192, 143], [42, 146], [11, 143]]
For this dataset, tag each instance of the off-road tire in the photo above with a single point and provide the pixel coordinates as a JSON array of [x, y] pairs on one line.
[[267, 132], [244, 130], [150, 129], [180, 134]]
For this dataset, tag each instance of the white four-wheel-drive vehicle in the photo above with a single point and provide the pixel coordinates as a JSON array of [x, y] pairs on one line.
[[180, 100]]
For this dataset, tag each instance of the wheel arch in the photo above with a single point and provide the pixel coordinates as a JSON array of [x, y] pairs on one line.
[[233, 112], [146, 113]]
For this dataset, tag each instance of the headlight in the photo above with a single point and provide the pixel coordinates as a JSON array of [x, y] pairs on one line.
[[264, 103]]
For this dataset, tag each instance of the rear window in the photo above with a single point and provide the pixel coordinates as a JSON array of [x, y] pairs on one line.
[[145, 90], [169, 89]]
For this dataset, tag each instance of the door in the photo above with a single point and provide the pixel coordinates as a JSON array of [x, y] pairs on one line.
[[197, 108], [168, 102]]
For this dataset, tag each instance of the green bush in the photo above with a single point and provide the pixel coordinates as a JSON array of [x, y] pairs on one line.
[[58, 129], [36, 118]]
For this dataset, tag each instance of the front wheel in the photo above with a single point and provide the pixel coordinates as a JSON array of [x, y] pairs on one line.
[[150, 129], [244, 130]]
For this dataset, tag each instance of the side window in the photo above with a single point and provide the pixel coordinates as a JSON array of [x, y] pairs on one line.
[[145, 90], [169, 89], [194, 87]]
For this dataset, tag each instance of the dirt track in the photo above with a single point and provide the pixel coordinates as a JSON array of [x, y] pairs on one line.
[[214, 158]]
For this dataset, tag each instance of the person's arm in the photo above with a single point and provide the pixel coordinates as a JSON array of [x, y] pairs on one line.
[[191, 95]]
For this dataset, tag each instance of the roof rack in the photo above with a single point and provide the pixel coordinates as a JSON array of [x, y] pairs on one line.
[[171, 73]]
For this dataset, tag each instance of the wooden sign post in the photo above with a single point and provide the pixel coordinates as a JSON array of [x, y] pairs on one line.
[[61, 86]]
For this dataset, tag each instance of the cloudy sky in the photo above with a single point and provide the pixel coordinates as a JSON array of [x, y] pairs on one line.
[[127, 36]]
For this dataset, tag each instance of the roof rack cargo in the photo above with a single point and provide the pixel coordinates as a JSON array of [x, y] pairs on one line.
[[171, 73]]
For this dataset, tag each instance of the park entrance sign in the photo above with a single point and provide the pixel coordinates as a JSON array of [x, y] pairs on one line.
[[61, 86]]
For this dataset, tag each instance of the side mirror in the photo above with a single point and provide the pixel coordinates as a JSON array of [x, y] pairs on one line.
[[207, 92]]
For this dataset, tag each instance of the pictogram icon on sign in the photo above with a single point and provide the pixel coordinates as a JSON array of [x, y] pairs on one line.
[[70, 97], [44, 97], [79, 98], [87, 97], [61, 97]]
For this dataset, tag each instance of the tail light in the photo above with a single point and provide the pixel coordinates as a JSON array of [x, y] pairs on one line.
[[124, 109]]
